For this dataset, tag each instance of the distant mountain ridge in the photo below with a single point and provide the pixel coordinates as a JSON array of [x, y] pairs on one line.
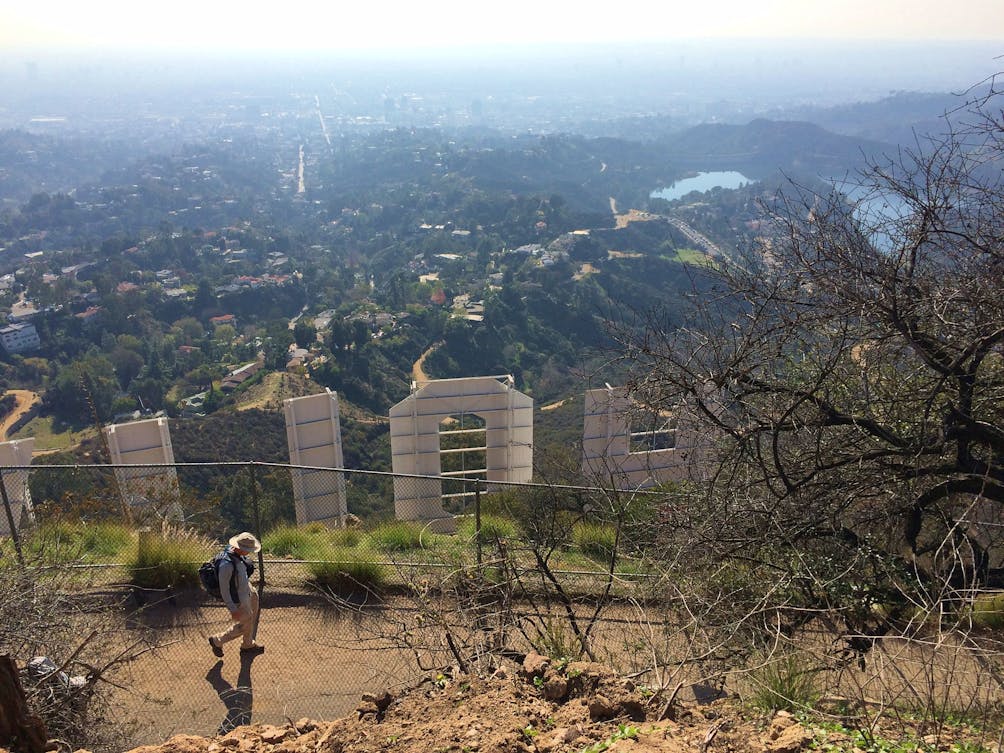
[[768, 145], [897, 119]]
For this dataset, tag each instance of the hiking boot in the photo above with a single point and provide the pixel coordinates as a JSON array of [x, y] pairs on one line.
[[256, 648], [217, 650]]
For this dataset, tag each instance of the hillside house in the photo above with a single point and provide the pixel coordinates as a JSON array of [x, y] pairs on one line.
[[237, 377], [19, 337], [90, 316], [230, 319]]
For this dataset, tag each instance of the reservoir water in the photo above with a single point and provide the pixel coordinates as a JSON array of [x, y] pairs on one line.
[[702, 182]]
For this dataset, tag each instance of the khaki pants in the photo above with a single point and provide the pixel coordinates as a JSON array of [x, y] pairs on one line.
[[244, 625]]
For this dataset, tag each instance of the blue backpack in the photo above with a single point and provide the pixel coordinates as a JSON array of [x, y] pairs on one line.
[[209, 573]]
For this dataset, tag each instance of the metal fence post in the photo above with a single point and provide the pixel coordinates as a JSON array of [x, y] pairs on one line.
[[14, 535], [256, 505], [477, 524]]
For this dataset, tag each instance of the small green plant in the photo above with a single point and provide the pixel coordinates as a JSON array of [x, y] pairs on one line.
[[624, 732], [529, 732], [556, 640], [968, 747], [396, 536], [874, 744], [595, 540], [988, 611], [784, 683], [167, 558]]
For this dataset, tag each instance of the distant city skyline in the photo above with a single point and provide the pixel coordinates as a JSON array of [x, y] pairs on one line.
[[256, 25]]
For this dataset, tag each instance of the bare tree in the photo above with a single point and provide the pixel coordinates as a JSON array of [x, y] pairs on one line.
[[849, 368]]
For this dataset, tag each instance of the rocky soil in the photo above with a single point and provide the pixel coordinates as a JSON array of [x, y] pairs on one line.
[[545, 707]]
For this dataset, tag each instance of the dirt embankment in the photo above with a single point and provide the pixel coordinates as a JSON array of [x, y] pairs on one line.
[[25, 401], [542, 706]]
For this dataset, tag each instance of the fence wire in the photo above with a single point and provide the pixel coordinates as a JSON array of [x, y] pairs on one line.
[[354, 600]]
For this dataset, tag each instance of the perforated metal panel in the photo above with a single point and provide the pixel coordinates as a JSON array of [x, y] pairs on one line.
[[314, 436], [606, 445], [414, 438], [146, 488], [14, 453]]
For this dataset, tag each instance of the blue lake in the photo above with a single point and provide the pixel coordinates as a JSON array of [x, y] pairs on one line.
[[702, 182], [878, 211]]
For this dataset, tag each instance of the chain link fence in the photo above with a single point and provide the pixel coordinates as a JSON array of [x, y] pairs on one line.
[[353, 601]]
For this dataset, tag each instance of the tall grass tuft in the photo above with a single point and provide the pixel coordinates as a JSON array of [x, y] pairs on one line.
[[169, 557], [784, 684], [345, 537], [340, 571], [595, 540], [66, 541], [290, 541], [493, 528], [397, 536], [105, 540]]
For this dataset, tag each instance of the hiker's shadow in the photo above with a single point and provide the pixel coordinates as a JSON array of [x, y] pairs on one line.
[[239, 699]]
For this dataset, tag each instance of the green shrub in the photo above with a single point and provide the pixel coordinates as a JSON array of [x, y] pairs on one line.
[[169, 557], [397, 536], [595, 540], [291, 541], [493, 528], [55, 541], [988, 611], [342, 572], [345, 537], [65, 541], [105, 540], [784, 684]]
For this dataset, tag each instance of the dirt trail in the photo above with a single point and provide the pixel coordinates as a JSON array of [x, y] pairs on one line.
[[417, 370], [25, 400]]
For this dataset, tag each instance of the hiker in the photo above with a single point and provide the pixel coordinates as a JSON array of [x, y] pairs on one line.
[[238, 594]]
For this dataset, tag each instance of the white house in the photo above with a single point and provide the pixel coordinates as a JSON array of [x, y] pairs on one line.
[[19, 337]]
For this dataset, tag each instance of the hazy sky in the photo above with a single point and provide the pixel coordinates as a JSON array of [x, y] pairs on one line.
[[265, 25]]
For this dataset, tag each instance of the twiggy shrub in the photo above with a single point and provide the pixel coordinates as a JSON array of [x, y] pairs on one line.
[[45, 612]]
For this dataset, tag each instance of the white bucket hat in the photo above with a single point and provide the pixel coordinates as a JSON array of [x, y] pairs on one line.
[[246, 542]]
